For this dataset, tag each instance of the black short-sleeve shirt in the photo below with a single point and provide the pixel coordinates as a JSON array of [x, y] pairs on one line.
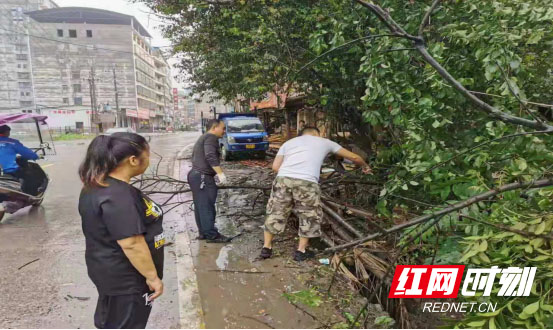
[[113, 213]]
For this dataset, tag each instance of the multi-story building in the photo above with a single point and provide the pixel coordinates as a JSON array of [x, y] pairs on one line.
[[16, 83], [190, 108], [94, 67]]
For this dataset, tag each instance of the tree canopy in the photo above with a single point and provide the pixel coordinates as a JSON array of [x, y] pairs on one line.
[[458, 93]]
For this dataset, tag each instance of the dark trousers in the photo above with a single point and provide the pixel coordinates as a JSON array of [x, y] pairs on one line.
[[31, 178], [204, 202], [130, 311]]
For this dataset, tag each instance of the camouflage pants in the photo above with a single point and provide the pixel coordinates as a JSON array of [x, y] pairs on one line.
[[299, 196]]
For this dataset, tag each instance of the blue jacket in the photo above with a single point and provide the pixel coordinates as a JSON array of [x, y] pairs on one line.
[[9, 149]]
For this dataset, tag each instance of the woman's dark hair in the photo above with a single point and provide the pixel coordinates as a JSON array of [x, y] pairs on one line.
[[105, 152]]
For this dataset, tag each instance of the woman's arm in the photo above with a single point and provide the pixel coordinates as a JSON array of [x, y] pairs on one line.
[[136, 249]]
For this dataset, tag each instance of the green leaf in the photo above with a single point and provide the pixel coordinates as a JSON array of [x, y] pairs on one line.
[[521, 163], [483, 246], [492, 323], [547, 308], [532, 308], [540, 228], [477, 324]]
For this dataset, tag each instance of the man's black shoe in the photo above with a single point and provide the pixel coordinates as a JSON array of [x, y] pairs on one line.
[[266, 253], [220, 239], [200, 238], [302, 256]]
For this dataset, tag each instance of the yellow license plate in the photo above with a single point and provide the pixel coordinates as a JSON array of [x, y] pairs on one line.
[[250, 146]]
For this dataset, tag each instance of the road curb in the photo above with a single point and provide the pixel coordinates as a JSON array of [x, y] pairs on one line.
[[190, 308], [182, 154]]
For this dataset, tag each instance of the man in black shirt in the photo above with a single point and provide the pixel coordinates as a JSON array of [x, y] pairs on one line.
[[205, 165]]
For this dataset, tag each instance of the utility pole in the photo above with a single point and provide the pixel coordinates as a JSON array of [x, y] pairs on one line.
[[118, 118], [92, 87]]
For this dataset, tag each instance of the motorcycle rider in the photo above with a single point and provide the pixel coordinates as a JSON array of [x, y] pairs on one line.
[[9, 149]]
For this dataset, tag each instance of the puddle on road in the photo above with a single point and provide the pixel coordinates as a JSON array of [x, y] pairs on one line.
[[223, 260]]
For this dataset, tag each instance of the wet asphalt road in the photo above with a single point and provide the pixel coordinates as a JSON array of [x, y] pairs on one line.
[[54, 291]]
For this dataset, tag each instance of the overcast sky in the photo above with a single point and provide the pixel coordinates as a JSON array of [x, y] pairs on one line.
[[151, 22]]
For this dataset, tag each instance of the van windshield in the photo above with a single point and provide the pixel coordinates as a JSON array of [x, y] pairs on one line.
[[245, 125]]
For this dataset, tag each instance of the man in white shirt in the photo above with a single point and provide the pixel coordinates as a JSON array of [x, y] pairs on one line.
[[296, 188]]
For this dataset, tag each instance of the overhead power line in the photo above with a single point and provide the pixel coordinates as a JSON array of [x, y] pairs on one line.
[[66, 42]]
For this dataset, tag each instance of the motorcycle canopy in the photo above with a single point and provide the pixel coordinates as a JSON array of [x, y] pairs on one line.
[[11, 118]]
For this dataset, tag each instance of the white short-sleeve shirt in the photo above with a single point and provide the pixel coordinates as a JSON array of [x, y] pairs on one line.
[[304, 156]]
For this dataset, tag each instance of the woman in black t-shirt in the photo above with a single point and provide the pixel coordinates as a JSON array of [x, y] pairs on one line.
[[123, 231]]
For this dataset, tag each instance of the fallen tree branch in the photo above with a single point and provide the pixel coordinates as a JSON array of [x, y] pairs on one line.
[[426, 18], [501, 227], [455, 207], [354, 211], [420, 46], [336, 217], [220, 187]]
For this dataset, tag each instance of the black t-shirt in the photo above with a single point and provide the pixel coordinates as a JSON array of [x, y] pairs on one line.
[[113, 213], [206, 154]]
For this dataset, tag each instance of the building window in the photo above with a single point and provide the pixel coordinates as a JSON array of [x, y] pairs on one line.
[[78, 101], [76, 75], [23, 75], [17, 14], [25, 103], [65, 88], [65, 100], [21, 57], [89, 33], [60, 33], [25, 93], [76, 88], [72, 33]]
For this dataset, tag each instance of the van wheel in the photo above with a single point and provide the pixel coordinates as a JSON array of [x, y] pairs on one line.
[[225, 154]]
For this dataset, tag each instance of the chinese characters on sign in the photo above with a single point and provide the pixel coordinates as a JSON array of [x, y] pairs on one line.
[[444, 281]]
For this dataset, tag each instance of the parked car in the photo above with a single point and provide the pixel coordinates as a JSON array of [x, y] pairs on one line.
[[112, 130], [245, 135]]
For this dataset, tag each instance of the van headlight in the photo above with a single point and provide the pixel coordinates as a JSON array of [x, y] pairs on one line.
[[231, 139], [265, 138]]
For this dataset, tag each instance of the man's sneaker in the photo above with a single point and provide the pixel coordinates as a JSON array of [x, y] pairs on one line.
[[302, 256], [266, 253], [220, 239]]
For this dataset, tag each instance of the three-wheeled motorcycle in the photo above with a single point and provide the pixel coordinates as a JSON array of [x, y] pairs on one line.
[[26, 128]]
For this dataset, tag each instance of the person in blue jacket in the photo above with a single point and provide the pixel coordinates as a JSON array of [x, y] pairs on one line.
[[9, 149]]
